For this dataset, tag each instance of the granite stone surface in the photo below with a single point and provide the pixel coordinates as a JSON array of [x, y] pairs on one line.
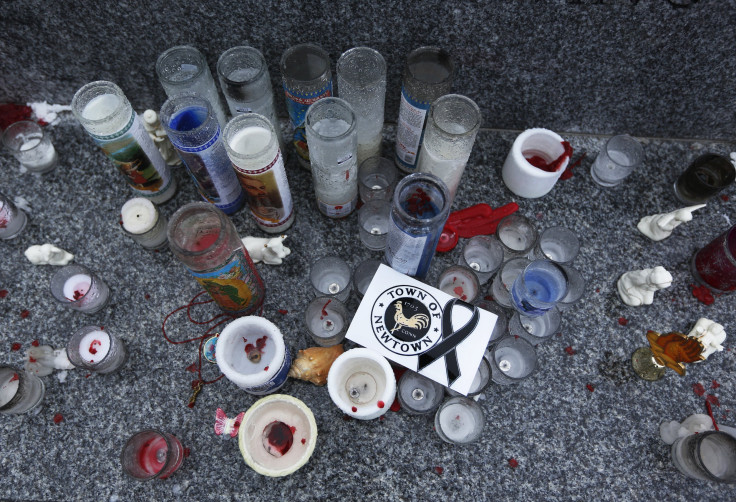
[[659, 68], [571, 443]]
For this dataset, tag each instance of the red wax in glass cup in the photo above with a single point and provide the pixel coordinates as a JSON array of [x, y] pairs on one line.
[[152, 454], [715, 265]]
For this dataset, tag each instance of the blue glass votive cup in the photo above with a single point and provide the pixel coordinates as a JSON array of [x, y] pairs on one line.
[[538, 288]]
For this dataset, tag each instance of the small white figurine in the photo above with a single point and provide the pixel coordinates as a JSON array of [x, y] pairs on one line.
[[45, 359], [660, 226], [158, 134], [638, 286], [673, 430], [711, 335], [270, 251], [48, 254]]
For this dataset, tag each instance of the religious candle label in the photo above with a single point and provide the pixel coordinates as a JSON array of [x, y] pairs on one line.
[[423, 329], [297, 105], [233, 285], [409, 129], [276, 381], [338, 210]]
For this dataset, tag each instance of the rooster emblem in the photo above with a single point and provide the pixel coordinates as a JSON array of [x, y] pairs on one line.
[[417, 321]]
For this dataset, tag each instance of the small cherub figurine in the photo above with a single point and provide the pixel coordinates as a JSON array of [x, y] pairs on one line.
[[48, 254], [710, 334], [270, 251], [158, 134], [638, 286], [660, 226], [694, 424], [43, 360]]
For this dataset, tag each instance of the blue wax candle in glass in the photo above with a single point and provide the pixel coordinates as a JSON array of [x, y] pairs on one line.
[[538, 288]]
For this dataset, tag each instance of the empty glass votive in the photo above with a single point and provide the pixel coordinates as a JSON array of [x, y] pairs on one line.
[[418, 395], [144, 223], [705, 177], [94, 349], [517, 235], [710, 456], [460, 282], [535, 330], [363, 275], [12, 219], [376, 179], [29, 144], [151, 454], [483, 254], [20, 391], [373, 221], [575, 287], [459, 421], [512, 359], [78, 288], [502, 322], [618, 158], [327, 320], [538, 288], [330, 276], [504, 279], [480, 381], [557, 244]]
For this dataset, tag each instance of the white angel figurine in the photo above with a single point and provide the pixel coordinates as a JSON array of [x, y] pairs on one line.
[[638, 286], [156, 131], [710, 334], [270, 251], [43, 360], [48, 254], [660, 226]]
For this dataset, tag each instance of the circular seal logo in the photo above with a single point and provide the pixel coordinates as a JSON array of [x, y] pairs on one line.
[[406, 320]]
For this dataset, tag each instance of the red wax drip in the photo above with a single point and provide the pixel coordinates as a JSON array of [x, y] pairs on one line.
[[623, 321], [555, 165], [279, 438], [78, 294], [31, 360], [304, 440], [292, 429], [265, 369], [698, 389], [92, 349], [711, 399], [24, 314], [396, 405], [570, 350], [283, 312], [355, 410], [15, 346], [513, 463], [460, 293], [590, 387], [15, 377], [324, 312], [439, 470], [418, 203], [204, 242], [381, 404], [58, 418], [703, 294], [715, 385], [35, 343], [3, 293]]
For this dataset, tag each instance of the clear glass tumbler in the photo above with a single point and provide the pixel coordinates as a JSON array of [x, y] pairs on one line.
[[575, 287], [373, 223], [535, 330], [504, 280], [29, 144], [617, 160], [710, 456], [20, 391], [77, 287], [512, 360], [376, 179], [95, 349], [331, 276], [363, 275], [704, 178], [418, 395], [151, 454], [502, 320], [539, 287], [12, 219], [327, 320], [557, 244], [459, 282], [517, 234], [484, 254], [459, 421]]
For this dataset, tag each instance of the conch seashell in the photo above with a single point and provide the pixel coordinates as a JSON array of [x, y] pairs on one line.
[[314, 363]]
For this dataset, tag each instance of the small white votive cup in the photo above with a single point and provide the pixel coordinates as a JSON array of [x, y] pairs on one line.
[[525, 179], [362, 384]]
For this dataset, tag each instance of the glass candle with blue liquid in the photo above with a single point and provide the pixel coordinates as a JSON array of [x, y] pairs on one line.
[[538, 288]]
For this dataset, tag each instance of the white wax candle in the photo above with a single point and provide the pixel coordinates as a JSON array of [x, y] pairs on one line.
[[101, 107], [9, 388], [94, 346], [77, 286], [457, 422], [31, 143], [250, 140], [138, 215]]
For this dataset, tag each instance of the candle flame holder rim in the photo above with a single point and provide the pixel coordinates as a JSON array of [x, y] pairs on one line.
[[170, 457], [234, 51], [179, 50], [80, 100]]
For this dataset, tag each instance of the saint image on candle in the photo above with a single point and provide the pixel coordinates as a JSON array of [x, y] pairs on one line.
[[263, 195]]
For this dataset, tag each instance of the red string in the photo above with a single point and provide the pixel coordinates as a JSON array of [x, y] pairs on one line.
[[710, 412]]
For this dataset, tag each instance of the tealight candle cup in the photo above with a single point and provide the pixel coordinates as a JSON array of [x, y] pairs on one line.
[[512, 360], [709, 456], [480, 381], [504, 279], [484, 254], [617, 160], [714, 266], [575, 288], [29, 144], [557, 244], [535, 330], [12, 219], [459, 421], [459, 282], [418, 395], [373, 222], [539, 288], [144, 223], [327, 320], [376, 179], [521, 176], [363, 275], [95, 349], [77, 287], [502, 321], [362, 384], [331, 276], [517, 234], [704, 178], [151, 454], [20, 391]]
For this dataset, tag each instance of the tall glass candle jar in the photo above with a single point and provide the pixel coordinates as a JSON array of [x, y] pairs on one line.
[[361, 81], [195, 133], [107, 116], [307, 78], [705, 177], [184, 69], [206, 241], [246, 83], [428, 75], [714, 266], [251, 144], [452, 125], [420, 207], [333, 140]]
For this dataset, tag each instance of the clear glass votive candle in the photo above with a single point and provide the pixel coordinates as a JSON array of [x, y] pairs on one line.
[[77, 287], [331, 276], [704, 178], [535, 330], [29, 144], [714, 266], [540, 286], [617, 160], [557, 244], [502, 322], [504, 279], [376, 179], [459, 421], [363, 275], [373, 222], [484, 254], [418, 395], [327, 319], [710, 456], [151, 454], [575, 288], [12, 219], [20, 391], [459, 282], [512, 360], [361, 81], [517, 234], [480, 381], [95, 349], [144, 223]]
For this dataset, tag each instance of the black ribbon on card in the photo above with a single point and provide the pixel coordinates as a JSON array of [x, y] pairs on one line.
[[450, 340]]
